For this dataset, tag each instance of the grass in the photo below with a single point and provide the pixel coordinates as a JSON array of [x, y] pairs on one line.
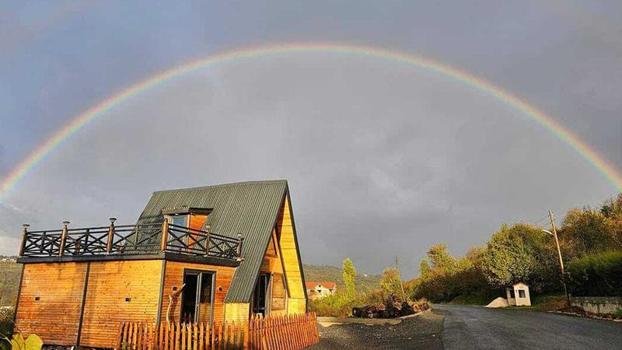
[[9, 282], [548, 302], [544, 302]]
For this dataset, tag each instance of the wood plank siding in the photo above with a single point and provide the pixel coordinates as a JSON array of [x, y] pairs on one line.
[[116, 291], [174, 277], [119, 291], [296, 302], [49, 301], [51, 297], [273, 264], [237, 312]]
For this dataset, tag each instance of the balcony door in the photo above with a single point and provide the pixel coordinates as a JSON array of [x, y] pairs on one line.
[[261, 295], [197, 302]]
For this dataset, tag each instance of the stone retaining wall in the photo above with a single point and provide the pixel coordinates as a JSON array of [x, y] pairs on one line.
[[598, 305]]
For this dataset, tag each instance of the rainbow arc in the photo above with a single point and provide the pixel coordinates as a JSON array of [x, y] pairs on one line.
[[468, 79]]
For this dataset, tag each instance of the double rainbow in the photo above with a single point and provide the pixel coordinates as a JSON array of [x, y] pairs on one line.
[[38, 154]]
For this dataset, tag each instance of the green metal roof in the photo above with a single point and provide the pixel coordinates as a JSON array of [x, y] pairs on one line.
[[249, 208]]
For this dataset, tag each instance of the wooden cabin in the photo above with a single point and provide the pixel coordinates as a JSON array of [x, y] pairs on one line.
[[204, 254]]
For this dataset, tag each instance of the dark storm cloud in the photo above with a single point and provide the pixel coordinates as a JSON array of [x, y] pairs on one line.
[[383, 159]]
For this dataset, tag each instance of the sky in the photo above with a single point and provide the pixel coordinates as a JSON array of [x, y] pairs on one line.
[[383, 158]]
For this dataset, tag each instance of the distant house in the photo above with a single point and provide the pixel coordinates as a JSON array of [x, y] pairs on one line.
[[317, 290], [205, 254]]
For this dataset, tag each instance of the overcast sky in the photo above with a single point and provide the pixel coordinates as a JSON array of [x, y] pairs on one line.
[[383, 159]]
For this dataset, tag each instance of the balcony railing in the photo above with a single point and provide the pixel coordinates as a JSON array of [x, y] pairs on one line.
[[140, 239]]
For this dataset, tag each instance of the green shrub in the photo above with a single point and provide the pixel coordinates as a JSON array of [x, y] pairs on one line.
[[596, 274], [6, 322], [6, 328], [336, 305]]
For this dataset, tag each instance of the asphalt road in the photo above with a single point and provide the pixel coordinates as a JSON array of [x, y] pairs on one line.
[[473, 327]]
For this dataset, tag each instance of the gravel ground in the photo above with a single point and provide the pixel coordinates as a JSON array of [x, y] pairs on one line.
[[420, 332]]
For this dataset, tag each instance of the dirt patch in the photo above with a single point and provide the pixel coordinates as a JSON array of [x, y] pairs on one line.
[[420, 332]]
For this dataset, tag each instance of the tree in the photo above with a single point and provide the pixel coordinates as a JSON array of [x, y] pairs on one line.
[[586, 231], [349, 275], [612, 208], [390, 281], [424, 268], [520, 253], [440, 258]]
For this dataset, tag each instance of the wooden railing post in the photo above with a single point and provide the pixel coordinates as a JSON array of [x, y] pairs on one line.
[[164, 242], [63, 238], [22, 247], [110, 235]]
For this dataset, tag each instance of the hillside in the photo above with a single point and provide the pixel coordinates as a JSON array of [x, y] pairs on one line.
[[320, 273], [9, 281]]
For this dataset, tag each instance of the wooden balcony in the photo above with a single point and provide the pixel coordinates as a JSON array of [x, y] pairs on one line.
[[120, 242]]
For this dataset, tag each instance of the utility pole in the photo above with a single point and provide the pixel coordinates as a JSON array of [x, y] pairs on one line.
[[399, 276], [559, 254]]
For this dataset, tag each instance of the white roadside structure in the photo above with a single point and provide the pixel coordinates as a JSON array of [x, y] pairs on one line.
[[518, 295]]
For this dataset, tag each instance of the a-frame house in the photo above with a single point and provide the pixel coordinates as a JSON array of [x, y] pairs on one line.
[[205, 254]]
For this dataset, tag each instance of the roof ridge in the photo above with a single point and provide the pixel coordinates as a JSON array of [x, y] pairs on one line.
[[231, 184]]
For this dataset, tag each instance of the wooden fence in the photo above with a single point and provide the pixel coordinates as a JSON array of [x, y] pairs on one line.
[[273, 332]]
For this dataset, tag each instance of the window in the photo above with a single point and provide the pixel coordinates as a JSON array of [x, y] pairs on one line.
[[179, 220], [521, 293]]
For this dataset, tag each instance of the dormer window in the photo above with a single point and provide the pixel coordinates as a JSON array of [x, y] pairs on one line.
[[178, 220], [194, 218]]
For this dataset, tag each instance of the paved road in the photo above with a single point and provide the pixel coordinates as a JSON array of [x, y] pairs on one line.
[[473, 327]]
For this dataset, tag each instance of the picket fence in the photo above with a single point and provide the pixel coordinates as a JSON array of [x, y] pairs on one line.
[[273, 332]]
